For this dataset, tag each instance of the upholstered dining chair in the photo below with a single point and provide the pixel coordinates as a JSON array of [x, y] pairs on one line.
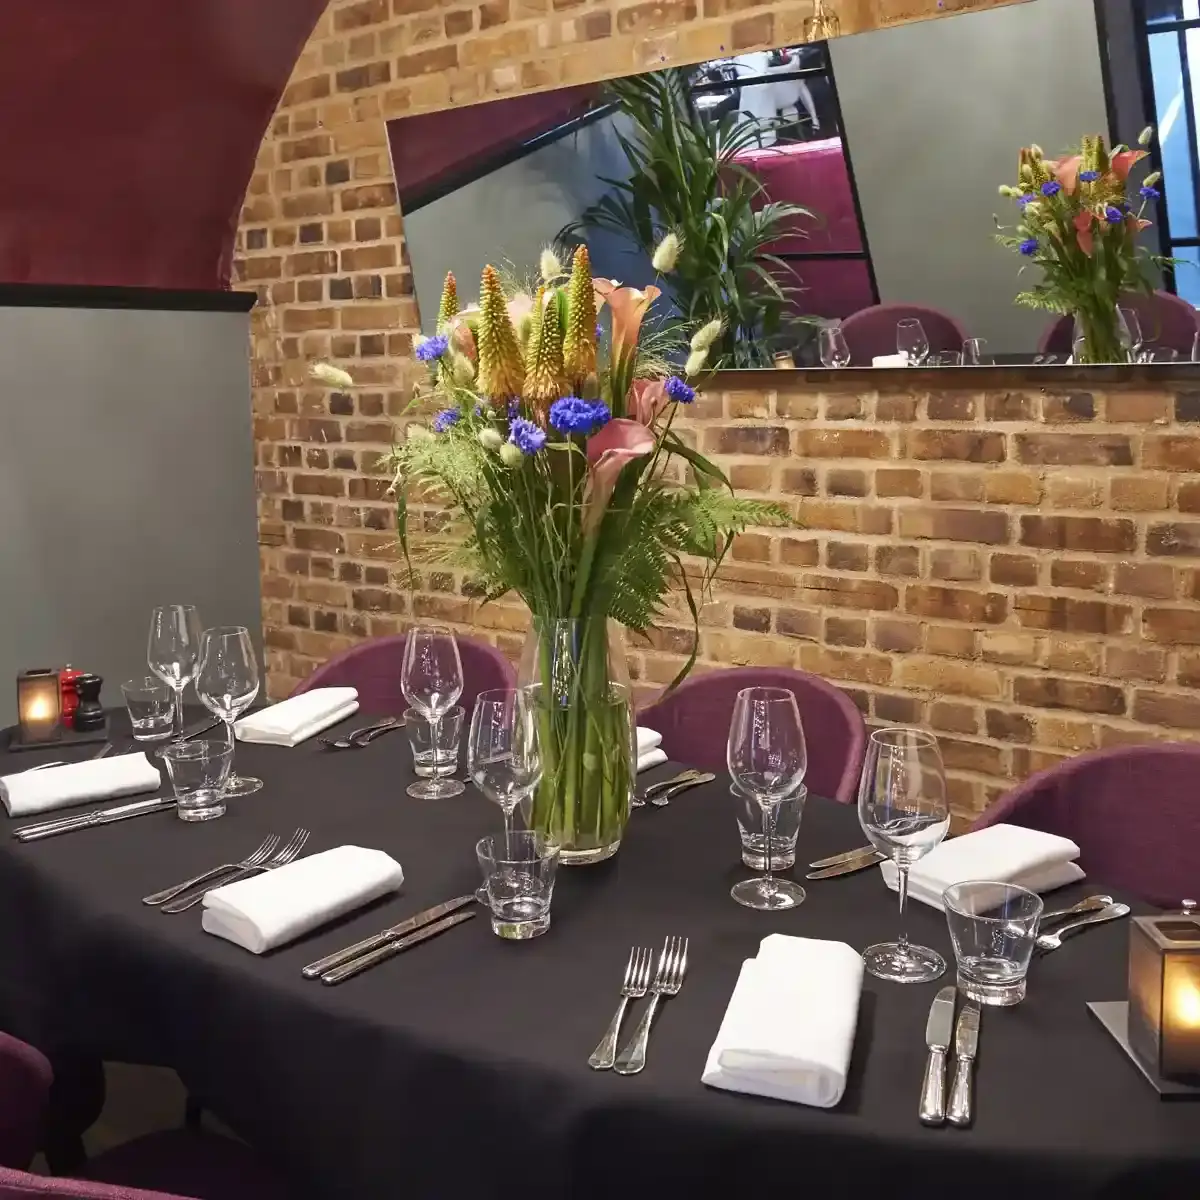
[[694, 723], [1132, 810], [172, 1165], [373, 667], [1166, 320], [872, 331]]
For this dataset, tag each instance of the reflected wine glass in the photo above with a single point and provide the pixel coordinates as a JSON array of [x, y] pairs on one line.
[[767, 759], [911, 340], [975, 353], [832, 342], [504, 757], [227, 681], [903, 810], [432, 681], [173, 650]]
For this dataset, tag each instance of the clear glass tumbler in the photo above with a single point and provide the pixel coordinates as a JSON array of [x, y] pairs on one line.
[[784, 831], [993, 927], [198, 771], [430, 761], [151, 706], [518, 872]]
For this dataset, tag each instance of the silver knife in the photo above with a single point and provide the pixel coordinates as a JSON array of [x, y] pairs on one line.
[[661, 786], [377, 956], [663, 798], [197, 730], [848, 867], [104, 751], [938, 1029], [966, 1045], [836, 860], [388, 935], [103, 816]]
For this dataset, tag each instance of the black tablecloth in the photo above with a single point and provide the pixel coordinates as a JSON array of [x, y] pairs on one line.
[[459, 1068]]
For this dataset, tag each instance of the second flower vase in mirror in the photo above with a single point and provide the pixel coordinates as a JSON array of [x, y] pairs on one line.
[[577, 674]]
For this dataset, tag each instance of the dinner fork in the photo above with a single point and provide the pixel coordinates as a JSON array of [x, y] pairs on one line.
[[270, 842], [668, 979], [279, 859], [637, 980]]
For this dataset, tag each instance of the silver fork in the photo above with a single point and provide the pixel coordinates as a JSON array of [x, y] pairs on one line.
[[637, 980], [279, 859], [252, 860], [668, 979]]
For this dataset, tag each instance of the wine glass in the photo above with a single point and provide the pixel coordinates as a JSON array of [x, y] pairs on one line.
[[432, 681], [903, 810], [227, 682], [504, 757], [767, 759], [832, 342], [975, 353], [173, 650], [1131, 337], [911, 340]]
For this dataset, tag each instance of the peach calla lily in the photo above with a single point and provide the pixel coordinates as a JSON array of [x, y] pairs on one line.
[[1083, 230], [628, 306], [1122, 163], [648, 397], [609, 451], [1066, 171]]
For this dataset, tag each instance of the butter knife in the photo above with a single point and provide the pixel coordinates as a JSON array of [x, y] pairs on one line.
[[966, 1045], [836, 860], [338, 974], [848, 867], [388, 935], [938, 1029], [103, 816]]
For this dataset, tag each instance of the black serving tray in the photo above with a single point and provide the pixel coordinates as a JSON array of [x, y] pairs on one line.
[[66, 738]]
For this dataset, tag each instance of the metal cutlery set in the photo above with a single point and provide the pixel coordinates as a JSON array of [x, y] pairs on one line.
[[357, 739], [938, 1029], [660, 794], [846, 863]]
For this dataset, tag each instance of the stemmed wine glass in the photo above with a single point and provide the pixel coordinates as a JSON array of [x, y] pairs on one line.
[[767, 759], [911, 340], [903, 810], [1131, 336], [504, 756], [227, 682], [432, 681], [832, 343], [173, 650]]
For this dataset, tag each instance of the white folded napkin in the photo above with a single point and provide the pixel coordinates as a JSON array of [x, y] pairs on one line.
[[890, 360], [291, 721], [1029, 858], [30, 792], [279, 906], [789, 1028], [649, 755]]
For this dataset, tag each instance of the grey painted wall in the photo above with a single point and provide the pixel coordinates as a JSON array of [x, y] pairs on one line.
[[934, 115], [126, 480]]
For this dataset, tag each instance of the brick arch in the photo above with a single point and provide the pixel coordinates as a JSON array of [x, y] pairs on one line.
[[322, 240]]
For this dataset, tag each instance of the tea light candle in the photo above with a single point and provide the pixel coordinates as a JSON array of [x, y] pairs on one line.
[[1164, 995], [38, 705]]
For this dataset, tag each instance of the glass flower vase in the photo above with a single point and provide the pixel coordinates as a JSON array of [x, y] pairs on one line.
[[1100, 336], [578, 674]]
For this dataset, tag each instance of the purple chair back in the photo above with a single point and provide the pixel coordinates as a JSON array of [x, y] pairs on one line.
[[1132, 810], [373, 668], [25, 1079], [1165, 320], [17, 1185], [694, 723], [872, 331]]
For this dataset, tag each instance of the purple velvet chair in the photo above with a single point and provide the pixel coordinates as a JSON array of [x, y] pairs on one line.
[[872, 331], [374, 669], [1133, 811], [1165, 320], [163, 1166], [694, 723]]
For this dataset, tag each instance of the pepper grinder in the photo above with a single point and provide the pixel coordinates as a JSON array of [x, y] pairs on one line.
[[90, 713]]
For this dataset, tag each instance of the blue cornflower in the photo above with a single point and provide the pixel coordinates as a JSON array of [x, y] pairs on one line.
[[572, 415], [599, 331], [433, 347], [1028, 198], [1113, 215], [1148, 193], [679, 391], [1028, 246], [514, 410], [1089, 176], [526, 436], [446, 418], [1051, 188]]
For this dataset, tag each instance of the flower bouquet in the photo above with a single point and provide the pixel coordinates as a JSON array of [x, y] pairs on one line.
[[1078, 225], [555, 448]]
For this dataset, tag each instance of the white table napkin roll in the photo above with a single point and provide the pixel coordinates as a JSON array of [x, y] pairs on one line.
[[278, 906], [1029, 858], [789, 1029], [890, 360], [292, 721], [29, 792], [649, 754]]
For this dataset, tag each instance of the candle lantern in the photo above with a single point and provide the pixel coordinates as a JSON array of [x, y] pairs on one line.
[[1164, 995], [38, 706]]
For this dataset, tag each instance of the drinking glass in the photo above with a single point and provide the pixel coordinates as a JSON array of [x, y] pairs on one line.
[[832, 342], [430, 760], [785, 829], [993, 927], [227, 682], [151, 707], [1196, 348], [945, 358], [767, 759], [1158, 354], [975, 353], [432, 681], [903, 810], [173, 649], [911, 340], [199, 773], [518, 874], [1130, 334]]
